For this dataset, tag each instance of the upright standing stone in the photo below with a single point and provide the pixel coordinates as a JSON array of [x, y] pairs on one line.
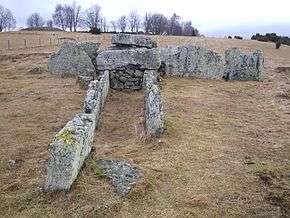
[[188, 60], [68, 150], [240, 66], [154, 114], [71, 60]]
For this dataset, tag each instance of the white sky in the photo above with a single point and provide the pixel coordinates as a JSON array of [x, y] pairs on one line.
[[207, 15]]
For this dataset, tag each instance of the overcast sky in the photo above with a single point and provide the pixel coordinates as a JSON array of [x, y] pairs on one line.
[[211, 17]]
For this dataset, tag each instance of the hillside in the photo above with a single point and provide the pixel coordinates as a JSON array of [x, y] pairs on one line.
[[225, 151]]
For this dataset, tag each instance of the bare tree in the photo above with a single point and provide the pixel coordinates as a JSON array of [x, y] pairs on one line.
[[189, 30], [122, 23], [174, 26], [35, 20], [114, 26], [72, 16], [69, 16], [147, 24], [134, 21], [92, 17], [76, 15], [158, 24], [104, 24], [7, 20], [49, 23], [59, 17]]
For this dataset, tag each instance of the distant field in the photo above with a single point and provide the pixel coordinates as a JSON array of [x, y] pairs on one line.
[[225, 152]]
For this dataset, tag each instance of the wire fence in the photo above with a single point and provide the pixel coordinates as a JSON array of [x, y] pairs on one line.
[[26, 43]]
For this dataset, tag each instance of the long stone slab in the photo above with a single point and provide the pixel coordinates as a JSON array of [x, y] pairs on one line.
[[68, 151], [189, 60], [142, 58], [133, 40], [72, 144], [96, 96]]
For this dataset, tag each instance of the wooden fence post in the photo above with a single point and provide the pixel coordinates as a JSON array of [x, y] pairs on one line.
[[49, 41], [8, 44], [25, 43], [39, 41]]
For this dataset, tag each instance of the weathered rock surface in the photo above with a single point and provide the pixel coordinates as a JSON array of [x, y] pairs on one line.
[[68, 150], [154, 114], [240, 66], [140, 58], [120, 174], [71, 60], [133, 40], [96, 96], [91, 48], [149, 78], [188, 60]]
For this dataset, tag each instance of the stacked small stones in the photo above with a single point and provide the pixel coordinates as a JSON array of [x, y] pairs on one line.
[[128, 60]]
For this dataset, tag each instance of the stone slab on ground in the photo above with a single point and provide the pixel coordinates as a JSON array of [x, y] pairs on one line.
[[120, 174]]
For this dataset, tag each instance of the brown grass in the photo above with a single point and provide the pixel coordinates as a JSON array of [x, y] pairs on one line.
[[225, 152]]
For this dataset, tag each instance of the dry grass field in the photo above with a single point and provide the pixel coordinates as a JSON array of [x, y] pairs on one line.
[[225, 152]]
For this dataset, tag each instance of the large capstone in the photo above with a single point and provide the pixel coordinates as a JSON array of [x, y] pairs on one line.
[[127, 67], [142, 58], [188, 60], [71, 60], [133, 40], [68, 150], [240, 66]]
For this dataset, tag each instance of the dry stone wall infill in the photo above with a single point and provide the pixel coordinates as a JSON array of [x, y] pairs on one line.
[[188, 60], [72, 144], [68, 150], [240, 66], [133, 40], [154, 114], [129, 79]]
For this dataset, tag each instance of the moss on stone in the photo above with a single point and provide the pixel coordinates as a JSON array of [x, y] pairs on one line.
[[66, 136]]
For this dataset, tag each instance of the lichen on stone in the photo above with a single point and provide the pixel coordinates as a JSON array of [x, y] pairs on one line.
[[66, 136]]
